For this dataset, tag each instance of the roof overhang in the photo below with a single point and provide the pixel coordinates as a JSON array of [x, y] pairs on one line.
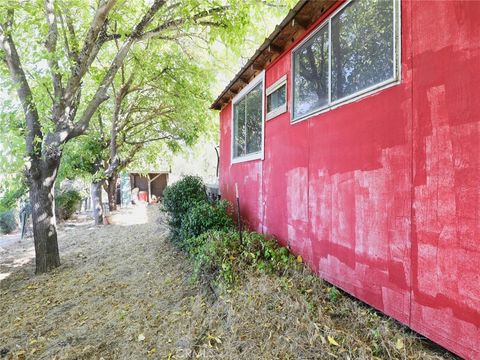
[[297, 21]]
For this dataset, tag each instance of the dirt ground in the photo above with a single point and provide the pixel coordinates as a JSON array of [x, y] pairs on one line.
[[123, 292]]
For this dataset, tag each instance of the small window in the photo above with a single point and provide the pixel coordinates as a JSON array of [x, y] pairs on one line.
[[277, 98], [352, 53], [248, 123]]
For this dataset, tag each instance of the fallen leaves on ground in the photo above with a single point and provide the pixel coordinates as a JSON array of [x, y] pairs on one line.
[[123, 292]]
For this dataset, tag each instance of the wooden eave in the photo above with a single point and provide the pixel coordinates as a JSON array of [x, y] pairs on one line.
[[297, 21]]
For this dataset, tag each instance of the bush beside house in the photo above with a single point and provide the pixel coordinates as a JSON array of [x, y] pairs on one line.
[[206, 232], [178, 199]]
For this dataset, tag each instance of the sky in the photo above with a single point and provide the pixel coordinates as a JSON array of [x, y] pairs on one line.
[[229, 64]]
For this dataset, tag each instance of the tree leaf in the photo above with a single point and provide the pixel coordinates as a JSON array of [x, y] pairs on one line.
[[332, 341]]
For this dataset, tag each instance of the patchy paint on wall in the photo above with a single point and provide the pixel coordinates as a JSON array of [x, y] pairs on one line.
[[381, 196], [297, 211]]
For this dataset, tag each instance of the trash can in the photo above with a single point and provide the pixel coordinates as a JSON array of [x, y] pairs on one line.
[[142, 196]]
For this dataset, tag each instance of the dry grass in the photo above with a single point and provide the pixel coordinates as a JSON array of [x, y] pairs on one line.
[[124, 293], [300, 317]]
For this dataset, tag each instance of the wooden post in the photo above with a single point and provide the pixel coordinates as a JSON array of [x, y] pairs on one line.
[[239, 219], [149, 189], [150, 186]]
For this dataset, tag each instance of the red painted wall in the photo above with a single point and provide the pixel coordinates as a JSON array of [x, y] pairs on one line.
[[381, 196]]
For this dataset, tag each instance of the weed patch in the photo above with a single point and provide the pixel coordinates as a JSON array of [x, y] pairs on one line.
[[262, 291]]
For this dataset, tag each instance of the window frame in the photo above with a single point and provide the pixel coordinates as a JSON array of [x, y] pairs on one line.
[[270, 90], [259, 155], [327, 22]]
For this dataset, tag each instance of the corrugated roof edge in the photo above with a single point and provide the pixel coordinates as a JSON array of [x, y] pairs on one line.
[[268, 41]]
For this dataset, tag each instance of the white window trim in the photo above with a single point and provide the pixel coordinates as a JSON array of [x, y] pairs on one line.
[[393, 81], [274, 87], [259, 155]]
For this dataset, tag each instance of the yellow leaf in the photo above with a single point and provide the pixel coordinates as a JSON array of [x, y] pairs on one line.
[[214, 338], [231, 257], [299, 259], [152, 351], [399, 344], [332, 341], [141, 337]]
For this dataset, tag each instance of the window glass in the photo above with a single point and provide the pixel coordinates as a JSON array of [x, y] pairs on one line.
[[359, 41], [310, 70], [277, 98], [247, 123], [362, 46], [239, 128]]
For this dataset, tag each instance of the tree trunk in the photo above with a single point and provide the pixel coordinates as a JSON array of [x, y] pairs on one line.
[[44, 225], [96, 192], [112, 192]]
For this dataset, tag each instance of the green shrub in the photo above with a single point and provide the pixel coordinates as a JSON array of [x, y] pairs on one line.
[[206, 232], [179, 197], [221, 257], [201, 218], [7, 221], [266, 254], [214, 255], [66, 204]]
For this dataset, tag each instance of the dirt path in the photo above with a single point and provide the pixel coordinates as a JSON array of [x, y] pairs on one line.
[[99, 303]]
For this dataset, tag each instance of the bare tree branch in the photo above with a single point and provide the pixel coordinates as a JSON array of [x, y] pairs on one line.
[[145, 141], [73, 37], [100, 123], [90, 43], [130, 157], [101, 93], [65, 38], [120, 96], [51, 45], [175, 23]]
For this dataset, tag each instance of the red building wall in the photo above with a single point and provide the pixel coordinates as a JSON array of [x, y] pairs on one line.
[[381, 196]]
